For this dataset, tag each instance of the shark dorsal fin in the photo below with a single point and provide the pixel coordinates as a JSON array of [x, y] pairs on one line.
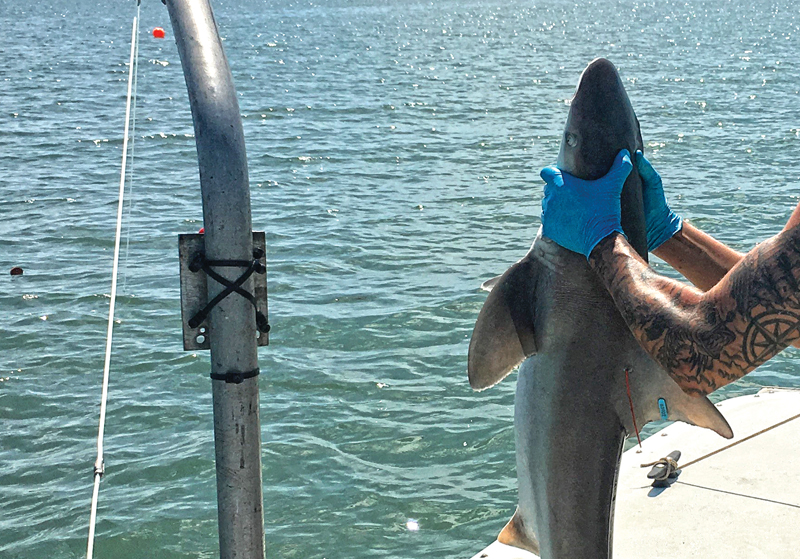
[[503, 335]]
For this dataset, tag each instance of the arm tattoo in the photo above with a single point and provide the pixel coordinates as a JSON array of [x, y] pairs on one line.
[[707, 340]]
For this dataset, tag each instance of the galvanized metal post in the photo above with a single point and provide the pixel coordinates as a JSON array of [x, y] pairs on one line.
[[228, 236]]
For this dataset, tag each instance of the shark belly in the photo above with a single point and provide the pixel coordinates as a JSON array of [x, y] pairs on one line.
[[563, 422], [570, 516], [584, 384]]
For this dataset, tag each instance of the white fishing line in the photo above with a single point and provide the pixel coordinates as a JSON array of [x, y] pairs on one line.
[[130, 174], [99, 464]]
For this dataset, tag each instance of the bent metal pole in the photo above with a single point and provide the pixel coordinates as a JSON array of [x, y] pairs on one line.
[[228, 236]]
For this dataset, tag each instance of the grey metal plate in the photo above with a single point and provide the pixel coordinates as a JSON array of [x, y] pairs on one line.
[[194, 290]]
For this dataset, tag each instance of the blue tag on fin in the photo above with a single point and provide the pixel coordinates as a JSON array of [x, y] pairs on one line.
[[662, 407]]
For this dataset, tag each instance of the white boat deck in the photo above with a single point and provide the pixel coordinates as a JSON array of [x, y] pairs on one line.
[[741, 503]]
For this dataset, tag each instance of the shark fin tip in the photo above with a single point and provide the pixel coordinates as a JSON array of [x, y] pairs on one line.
[[515, 535]]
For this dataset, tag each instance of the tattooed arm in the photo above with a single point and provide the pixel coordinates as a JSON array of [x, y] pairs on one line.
[[707, 340], [699, 257]]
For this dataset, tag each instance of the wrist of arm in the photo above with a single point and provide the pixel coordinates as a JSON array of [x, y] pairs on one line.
[[699, 257]]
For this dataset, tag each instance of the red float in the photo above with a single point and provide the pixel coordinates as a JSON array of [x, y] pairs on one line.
[[158, 33]]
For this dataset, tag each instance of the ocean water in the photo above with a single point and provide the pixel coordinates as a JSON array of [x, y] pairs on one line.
[[394, 150]]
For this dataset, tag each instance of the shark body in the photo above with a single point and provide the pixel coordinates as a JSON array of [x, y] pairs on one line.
[[584, 383]]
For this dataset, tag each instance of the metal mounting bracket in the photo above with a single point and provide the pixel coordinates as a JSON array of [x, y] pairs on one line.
[[194, 289]]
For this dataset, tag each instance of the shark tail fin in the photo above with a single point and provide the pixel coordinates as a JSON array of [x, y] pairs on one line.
[[514, 534], [503, 334]]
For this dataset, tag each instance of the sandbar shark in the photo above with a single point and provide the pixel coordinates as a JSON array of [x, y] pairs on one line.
[[584, 381]]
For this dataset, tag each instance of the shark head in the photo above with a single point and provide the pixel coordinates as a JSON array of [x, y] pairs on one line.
[[601, 122]]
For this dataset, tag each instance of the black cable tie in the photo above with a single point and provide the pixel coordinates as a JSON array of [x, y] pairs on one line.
[[229, 263], [199, 262], [235, 377], [230, 287], [261, 323]]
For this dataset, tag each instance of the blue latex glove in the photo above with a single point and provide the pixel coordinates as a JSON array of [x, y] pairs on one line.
[[662, 222], [577, 214]]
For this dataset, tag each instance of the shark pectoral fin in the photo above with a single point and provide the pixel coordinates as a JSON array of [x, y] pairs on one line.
[[674, 404], [657, 396], [503, 334], [489, 284], [701, 412], [514, 534]]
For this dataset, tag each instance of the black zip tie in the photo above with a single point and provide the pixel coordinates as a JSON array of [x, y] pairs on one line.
[[199, 262], [235, 377]]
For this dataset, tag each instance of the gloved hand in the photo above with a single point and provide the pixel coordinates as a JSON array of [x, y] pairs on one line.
[[577, 214], [662, 222]]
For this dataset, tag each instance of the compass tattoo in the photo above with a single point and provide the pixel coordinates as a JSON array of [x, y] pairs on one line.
[[707, 340]]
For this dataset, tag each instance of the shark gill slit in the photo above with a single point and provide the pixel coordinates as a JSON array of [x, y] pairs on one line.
[[630, 402]]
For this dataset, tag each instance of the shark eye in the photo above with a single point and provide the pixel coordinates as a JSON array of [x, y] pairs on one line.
[[572, 139]]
